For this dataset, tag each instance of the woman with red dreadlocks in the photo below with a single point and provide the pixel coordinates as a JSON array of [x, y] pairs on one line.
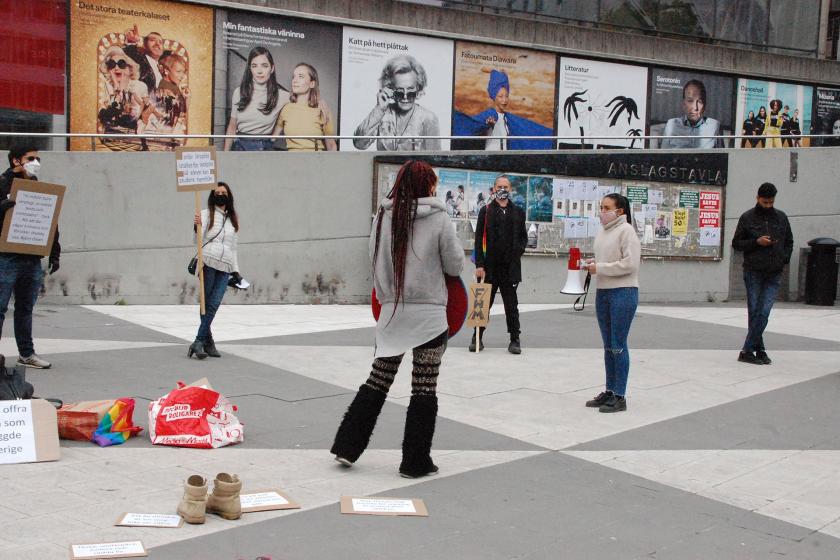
[[412, 245]]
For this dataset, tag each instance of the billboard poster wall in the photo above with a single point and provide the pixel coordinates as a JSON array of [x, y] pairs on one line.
[[395, 85], [782, 111], [140, 66], [503, 91], [601, 99], [272, 61], [689, 104], [827, 116]]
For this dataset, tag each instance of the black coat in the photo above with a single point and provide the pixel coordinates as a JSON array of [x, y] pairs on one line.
[[755, 223], [502, 261], [5, 188]]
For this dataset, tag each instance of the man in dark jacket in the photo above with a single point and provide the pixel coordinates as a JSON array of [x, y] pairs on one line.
[[764, 235], [500, 238], [148, 56], [21, 274]]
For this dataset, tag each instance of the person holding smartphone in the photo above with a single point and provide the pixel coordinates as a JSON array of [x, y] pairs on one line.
[[764, 236]]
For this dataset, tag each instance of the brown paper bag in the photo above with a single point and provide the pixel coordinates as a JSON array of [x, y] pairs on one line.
[[79, 420]]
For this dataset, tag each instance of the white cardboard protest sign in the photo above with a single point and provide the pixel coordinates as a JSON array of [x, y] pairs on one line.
[[28, 432], [96, 551], [160, 520], [266, 500], [195, 168], [384, 506], [31, 224]]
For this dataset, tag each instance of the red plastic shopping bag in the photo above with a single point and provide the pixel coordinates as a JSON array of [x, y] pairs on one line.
[[194, 416]]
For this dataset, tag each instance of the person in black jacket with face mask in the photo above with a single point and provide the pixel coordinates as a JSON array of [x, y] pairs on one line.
[[500, 239], [764, 235], [21, 274]]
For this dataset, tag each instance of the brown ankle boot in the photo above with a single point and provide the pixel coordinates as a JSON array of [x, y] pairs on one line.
[[194, 502], [224, 500]]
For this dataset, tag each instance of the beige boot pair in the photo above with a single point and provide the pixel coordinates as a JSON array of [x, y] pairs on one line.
[[223, 501]]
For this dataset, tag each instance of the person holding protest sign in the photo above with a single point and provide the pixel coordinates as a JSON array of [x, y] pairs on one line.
[[413, 244], [618, 254], [220, 226], [21, 274], [500, 239], [256, 104]]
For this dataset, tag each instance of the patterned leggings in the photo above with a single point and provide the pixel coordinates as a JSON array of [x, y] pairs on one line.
[[424, 374]]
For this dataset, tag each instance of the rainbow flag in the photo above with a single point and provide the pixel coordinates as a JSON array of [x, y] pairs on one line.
[[117, 425]]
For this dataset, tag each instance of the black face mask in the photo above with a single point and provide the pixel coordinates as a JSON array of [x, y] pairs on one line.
[[219, 199]]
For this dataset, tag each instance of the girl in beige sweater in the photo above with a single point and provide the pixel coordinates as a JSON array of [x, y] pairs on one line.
[[616, 267]]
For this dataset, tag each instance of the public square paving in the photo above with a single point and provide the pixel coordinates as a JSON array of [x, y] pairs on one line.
[[714, 459]]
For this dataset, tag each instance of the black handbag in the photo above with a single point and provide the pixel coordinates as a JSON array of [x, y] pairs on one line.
[[193, 265], [13, 384]]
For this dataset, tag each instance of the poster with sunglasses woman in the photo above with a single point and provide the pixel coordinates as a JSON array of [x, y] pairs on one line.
[[407, 79]]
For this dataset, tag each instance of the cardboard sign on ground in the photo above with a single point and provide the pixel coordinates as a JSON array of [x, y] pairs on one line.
[[266, 500], [478, 309], [160, 520], [96, 551], [30, 225], [195, 168], [384, 506], [28, 432]]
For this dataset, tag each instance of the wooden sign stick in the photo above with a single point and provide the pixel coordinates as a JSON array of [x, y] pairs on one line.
[[200, 266], [477, 340]]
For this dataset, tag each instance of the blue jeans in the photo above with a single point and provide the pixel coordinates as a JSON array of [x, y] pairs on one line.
[[215, 284], [22, 276], [253, 145], [762, 288], [615, 308]]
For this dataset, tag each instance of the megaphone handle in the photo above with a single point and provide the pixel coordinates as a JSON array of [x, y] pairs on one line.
[[583, 295]]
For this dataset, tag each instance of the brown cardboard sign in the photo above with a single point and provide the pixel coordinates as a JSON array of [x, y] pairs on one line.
[[266, 500], [384, 506], [478, 308], [196, 168], [98, 551], [28, 432], [30, 225], [158, 520]]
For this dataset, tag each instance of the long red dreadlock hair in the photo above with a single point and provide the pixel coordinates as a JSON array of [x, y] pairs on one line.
[[416, 179]]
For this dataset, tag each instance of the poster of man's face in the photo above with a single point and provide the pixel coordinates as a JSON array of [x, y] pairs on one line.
[[689, 104], [601, 99], [395, 85], [827, 116], [142, 66], [265, 51], [780, 112], [500, 92]]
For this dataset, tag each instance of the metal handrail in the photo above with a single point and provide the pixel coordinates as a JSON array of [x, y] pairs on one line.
[[575, 139]]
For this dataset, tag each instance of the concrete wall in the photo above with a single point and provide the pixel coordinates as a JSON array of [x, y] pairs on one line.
[[571, 39], [305, 222]]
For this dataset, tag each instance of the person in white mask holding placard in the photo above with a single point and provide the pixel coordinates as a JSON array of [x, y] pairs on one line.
[[21, 274]]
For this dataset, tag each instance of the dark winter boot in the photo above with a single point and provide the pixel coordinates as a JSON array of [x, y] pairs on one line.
[[481, 341], [514, 347], [417, 442], [357, 426], [210, 348], [197, 348]]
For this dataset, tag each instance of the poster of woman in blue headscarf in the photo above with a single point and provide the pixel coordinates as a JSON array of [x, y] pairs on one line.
[[500, 93]]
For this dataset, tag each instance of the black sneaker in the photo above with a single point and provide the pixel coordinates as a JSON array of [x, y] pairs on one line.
[[602, 397], [514, 347], [749, 358], [614, 404], [433, 470], [765, 359]]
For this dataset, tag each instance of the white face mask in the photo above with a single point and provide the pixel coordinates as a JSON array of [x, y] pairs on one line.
[[607, 217], [32, 167]]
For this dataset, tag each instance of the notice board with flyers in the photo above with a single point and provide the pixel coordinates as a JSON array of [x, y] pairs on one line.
[[676, 198]]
